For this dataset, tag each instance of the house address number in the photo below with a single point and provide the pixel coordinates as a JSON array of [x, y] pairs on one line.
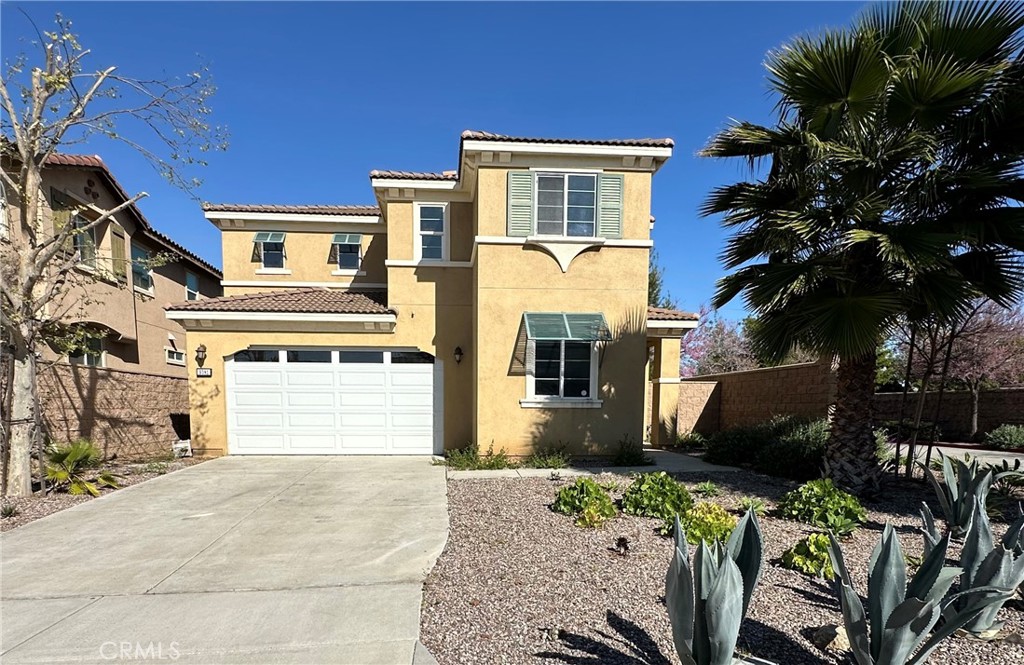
[[204, 372]]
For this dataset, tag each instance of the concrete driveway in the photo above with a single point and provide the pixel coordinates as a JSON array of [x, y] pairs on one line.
[[237, 560]]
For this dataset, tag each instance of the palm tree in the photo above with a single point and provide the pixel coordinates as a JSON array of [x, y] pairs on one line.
[[893, 188]]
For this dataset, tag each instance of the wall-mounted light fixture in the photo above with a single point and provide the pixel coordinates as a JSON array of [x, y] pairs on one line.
[[458, 355], [201, 354]]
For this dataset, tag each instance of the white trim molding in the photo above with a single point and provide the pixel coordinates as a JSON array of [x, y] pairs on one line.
[[348, 272], [291, 217], [300, 285], [663, 152], [401, 183], [561, 403], [606, 242], [404, 263], [196, 315], [670, 379], [672, 325]]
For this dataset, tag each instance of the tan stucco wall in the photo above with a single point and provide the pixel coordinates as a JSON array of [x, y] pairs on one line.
[[665, 389], [96, 296], [307, 249]]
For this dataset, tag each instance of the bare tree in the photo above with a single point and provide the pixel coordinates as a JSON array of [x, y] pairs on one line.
[[45, 106]]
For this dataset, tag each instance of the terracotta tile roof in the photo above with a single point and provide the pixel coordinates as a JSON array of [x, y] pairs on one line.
[[663, 314], [314, 300], [95, 162], [414, 175], [473, 135], [293, 209]]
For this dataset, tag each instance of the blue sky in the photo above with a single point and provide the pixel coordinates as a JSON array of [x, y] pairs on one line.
[[316, 95]]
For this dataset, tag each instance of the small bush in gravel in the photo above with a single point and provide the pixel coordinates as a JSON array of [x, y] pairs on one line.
[[810, 556], [548, 458], [742, 446], [158, 468], [631, 453], [469, 458], [822, 504], [74, 469], [1006, 437], [752, 504], [587, 501], [8, 510], [706, 489], [656, 495], [706, 521], [798, 454]]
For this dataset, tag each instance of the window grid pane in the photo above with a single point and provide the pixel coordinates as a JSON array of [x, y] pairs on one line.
[[348, 256], [310, 356]]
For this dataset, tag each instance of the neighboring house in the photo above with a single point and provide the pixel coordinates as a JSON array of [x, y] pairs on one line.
[[121, 299], [504, 303]]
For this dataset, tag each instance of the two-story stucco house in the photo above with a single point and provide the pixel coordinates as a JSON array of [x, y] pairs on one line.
[[504, 302]]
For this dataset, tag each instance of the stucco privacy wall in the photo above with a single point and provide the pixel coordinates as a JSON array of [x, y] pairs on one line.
[[720, 401], [995, 408], [128, 414]]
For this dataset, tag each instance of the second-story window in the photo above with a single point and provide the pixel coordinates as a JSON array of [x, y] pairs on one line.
[[566, 204], [268, 249], [90, 353], [191, 286], [346, 251], [142, 274], [432, 227], [85, 241]]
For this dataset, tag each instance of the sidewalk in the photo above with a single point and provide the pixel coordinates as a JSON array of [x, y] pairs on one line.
[[664, 460]]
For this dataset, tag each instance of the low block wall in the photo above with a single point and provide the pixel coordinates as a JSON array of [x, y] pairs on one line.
[[124, 413], [720, 401], [1004, 406]]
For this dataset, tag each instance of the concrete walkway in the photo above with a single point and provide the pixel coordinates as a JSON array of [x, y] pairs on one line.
[[664, 460], [237, 560]]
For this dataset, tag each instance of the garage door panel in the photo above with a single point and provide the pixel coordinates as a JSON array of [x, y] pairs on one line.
[[244, 420], [342, 407], [323, 379], [311, 420], [258, 378], [261, 398], [312, 400]]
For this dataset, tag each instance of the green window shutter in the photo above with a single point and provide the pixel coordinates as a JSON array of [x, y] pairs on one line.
[[117, 253], [520, 203], [609, 205], [61, 209]]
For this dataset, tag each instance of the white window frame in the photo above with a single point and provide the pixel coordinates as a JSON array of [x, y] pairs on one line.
[[149, 270], [77, 239], [338, 270], [189, 293], [533, 400], [101, 357], [168, 350], [270, 270], [565, 201], [418, 234]]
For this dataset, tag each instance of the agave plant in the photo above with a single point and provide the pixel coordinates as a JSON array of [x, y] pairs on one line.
[[902, 615], [987, 563], [960, 488], [74, 467], [707, 603]]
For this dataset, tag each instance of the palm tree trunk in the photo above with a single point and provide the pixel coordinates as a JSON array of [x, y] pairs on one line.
[[850, 457]]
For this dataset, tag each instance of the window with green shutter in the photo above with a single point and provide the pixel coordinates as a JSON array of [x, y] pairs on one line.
[[565, 204], [117, 254]]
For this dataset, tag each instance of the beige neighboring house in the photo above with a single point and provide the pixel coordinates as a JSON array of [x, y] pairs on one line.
[[114, 388], [501, 303]]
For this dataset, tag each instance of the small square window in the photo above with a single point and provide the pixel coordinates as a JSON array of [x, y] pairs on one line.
[[562, 369], [90, 354], [174, 356], [257, 356], [310, 356], [348, 257], [431, 226], [273, 255], [142, 274], [191, 286]]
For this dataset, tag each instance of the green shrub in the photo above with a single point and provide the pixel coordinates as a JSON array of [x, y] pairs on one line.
[[691, 440], [741, 446], [587, 501], [810, 555], [1006, 437], [753, 503], [8, 510], [631, 453], [822, 504], [705, 521], [798, 453], [548, 458], [469, 458], [656, 495], [706, 489], [158, 468], [899, 432], [74, 469]]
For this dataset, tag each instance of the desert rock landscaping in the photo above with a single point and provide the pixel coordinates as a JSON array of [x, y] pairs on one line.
[[521, 583]]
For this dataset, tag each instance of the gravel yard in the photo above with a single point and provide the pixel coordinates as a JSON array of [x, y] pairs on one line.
[[34, 507], [518, 583]]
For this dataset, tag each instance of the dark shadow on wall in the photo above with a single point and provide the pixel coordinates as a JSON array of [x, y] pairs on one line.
[[593, 431]]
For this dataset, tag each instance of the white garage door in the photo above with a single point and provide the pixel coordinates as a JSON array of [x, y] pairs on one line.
[[331, 402]]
